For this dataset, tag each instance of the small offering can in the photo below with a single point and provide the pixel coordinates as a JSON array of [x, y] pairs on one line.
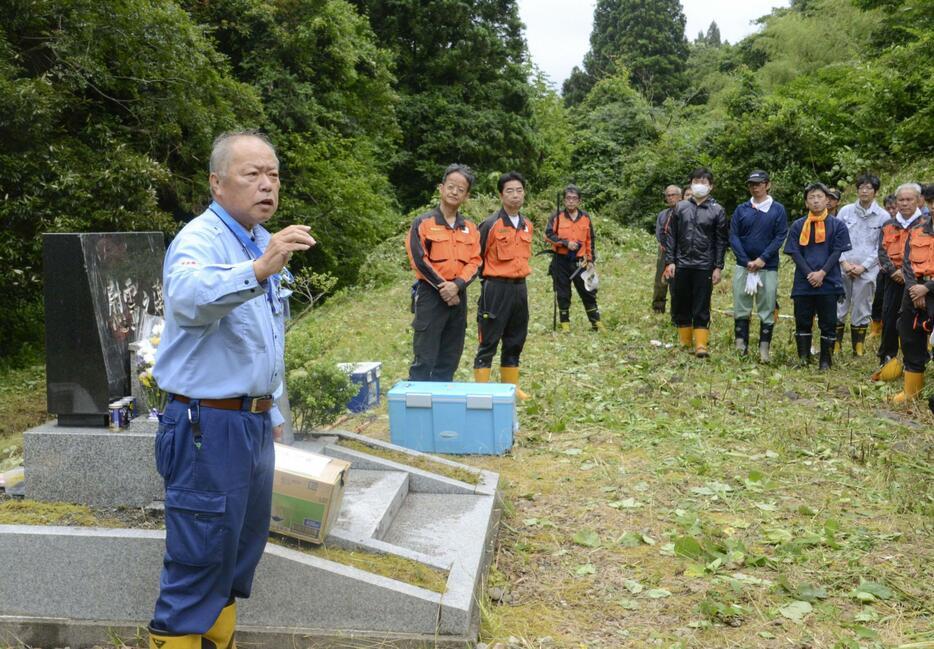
[[116, 416], [131, 406]]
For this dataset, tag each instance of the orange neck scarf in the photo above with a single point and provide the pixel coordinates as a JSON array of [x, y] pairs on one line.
[[820, 229]]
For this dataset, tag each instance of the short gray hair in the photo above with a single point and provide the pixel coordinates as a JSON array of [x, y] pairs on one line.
[[911, 187], [220, 150]]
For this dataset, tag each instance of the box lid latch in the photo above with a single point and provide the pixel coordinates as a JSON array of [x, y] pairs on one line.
[[479, 401]]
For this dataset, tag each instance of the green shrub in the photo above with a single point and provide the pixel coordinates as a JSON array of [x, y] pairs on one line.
[[318, 390]]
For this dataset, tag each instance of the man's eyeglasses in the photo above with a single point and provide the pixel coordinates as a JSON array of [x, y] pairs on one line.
[[456, 189]]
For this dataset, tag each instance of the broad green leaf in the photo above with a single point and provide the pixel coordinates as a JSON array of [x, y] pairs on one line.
[[587, 538], [796, 611], [690, 548], [630, 540], [585, 569], [777, 536], [629, 604], [874, 590], [633, 586], [657, 593]]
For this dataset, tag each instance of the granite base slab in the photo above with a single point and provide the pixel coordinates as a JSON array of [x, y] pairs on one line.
[[82, 575], [45, 632], [92, 466]]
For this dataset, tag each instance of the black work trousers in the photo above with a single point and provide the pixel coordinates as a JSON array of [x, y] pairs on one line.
[[660, 292], [690, 297], [914, 331], [562, 268], [876, 313], [892, 295], [438, 341], [502, 315], [824, 307]]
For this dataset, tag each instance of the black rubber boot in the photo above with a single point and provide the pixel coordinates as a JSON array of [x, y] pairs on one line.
[[804, 349], [826, 353], [741, 332], [765, 342]]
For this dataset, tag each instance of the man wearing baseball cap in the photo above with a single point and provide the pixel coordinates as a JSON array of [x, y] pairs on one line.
[[757, 231]]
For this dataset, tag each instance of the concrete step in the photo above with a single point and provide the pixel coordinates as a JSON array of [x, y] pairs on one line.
[[448, 527], [371, 500]]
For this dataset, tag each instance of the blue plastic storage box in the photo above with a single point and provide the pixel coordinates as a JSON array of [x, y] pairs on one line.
[[456, 418], [366, 375]]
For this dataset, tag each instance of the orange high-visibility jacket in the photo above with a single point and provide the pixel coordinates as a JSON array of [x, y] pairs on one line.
[[562, 229], [505, 249], [442, 253], [919, 253], [892, 241]]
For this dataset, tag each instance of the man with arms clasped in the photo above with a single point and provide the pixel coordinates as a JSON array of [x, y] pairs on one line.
[[444, 251], [221, 361]]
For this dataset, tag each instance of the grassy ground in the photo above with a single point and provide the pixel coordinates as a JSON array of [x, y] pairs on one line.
[[655, 499], [658, 500]]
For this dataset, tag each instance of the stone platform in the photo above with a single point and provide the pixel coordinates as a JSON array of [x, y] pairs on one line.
[[67, 586]]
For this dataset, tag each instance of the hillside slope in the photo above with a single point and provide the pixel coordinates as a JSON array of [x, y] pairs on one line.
[[655, 499]]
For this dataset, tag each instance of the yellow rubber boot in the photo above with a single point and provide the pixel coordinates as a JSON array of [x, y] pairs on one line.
[[701, 340], [888, 372], [159, 640], [565, 327], [875, 329], [511, 375], [914, 381], [481, 374], [221, 634], [685, 337]]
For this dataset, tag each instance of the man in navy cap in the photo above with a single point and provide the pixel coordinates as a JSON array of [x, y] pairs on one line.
[[757, 231]]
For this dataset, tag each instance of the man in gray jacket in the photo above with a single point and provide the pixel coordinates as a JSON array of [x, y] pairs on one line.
[[860, 264], [659, 297]]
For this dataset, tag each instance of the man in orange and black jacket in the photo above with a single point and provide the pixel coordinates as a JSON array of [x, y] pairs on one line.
[[570, 233], [892, 239], [503, 309], [444, 251], [916, 320]]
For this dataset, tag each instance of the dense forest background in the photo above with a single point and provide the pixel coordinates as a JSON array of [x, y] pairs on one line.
[[108, 110]]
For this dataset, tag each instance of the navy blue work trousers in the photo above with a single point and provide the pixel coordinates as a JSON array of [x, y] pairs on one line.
[[217, 506]]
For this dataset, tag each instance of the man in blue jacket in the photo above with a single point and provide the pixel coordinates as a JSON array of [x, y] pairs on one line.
[[757, 231]]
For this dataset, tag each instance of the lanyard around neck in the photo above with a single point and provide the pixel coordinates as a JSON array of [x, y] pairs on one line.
[[250, 245]]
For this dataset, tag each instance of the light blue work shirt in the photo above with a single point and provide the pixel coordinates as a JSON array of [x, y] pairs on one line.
[[221, 338]]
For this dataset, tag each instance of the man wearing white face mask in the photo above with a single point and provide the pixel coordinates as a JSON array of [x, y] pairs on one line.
[[695, 247]]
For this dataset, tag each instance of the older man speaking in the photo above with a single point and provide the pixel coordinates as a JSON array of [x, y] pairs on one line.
[[221, 361]]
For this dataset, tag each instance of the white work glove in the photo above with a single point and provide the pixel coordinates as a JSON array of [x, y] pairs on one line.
[[752, 283]]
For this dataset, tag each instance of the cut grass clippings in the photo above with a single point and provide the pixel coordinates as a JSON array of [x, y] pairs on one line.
[[425, 464], [657, 499], [391, 566]]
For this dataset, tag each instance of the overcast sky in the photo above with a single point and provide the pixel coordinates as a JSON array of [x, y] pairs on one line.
[[558, 31]]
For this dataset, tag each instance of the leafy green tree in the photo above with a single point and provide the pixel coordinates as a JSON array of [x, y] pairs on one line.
[[612, 120], [330, 109], [463, 83], [644, 36], [107, 112], [712, 37]]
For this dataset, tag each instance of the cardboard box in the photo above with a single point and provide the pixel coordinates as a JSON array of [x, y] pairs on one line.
[[366, 375], [306, 493], [455, 418]]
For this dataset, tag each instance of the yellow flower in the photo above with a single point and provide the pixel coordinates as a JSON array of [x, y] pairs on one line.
[[154, 340], [146, 379]]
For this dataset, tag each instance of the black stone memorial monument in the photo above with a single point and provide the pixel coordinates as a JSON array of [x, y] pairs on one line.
[[99, 289]]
